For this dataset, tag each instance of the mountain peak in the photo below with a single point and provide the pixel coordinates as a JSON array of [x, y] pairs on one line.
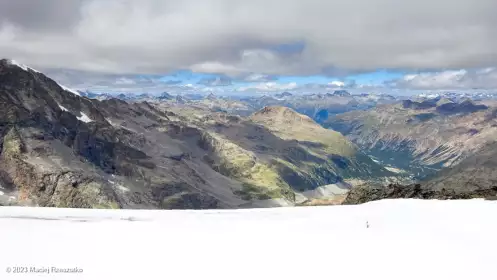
[[466, 106], [27, 93], [467, 101], [443, 101], [274, 110], [11, 62], [211, 96], [280, 113], [419, 105], [165, 96], [341, 93], [283, 94]]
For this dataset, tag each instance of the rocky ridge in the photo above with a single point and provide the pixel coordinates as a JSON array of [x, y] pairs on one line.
[[359, 195]]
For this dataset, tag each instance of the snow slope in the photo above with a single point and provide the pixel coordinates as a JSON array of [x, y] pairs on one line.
[[63, 108], [69, 90], [84, 118], [22, 66], [407, 239]]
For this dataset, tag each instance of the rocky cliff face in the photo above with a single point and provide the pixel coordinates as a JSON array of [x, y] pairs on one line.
[[61, 149], [34, 118]]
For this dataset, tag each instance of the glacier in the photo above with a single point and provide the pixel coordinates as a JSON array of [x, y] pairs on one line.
[[406, 239]]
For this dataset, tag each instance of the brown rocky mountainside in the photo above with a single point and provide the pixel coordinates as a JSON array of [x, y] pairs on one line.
[[476, 172], [420, 137], [474, 177], [459, 137], [61, 149]]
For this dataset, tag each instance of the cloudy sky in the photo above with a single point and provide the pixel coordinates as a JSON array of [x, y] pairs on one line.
[[255, 46]]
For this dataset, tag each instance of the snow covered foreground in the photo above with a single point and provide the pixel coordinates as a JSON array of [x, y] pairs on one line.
[[406, 239]]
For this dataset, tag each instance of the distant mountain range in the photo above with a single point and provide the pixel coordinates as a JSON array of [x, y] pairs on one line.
[[65, 148], [62, 149], [317, 106]]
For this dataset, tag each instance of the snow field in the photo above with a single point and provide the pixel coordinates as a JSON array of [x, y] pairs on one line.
[[406, 239]]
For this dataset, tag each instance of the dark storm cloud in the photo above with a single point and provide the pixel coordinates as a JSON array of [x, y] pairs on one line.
[[41, 16]]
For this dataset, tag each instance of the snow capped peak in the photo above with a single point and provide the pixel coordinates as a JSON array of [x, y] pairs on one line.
[[22, 66], [27, 68], [70, 90]]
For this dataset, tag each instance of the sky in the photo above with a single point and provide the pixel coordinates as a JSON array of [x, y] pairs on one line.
[[256, 46]]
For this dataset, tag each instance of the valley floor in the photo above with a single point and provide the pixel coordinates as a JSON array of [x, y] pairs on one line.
[[406, 239]]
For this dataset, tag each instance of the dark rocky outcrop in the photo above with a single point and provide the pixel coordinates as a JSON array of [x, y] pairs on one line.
[[360, 195], [465, 107], [426, 104]]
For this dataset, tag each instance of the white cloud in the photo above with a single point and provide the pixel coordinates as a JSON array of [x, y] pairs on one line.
[[216, 81], [215, 67], [236, 37], [450, 79], [250, 60], [257, 77], [337, 84], [269, 87], [444, 79], [110, 83], [124, 81], [334, 85]]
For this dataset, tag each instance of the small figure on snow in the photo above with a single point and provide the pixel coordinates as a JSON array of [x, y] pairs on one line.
[[367, 224]]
